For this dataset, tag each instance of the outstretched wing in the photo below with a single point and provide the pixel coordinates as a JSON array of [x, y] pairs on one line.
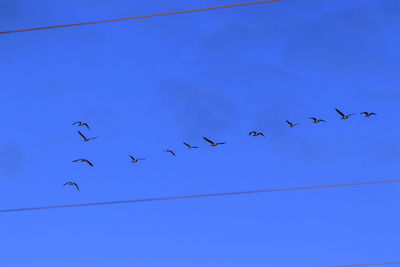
[[195, 147], [251, 132], [76, 186], [315, 119], [76, 160], [261, 134], [92, 138], [131, 157], [76, 122], [186, 144], [289, 122], [208, 140], [172, 152], [338, 111], [82, 135], [373, 113], [66, 183], [141, 159], [86, 125], [221, 143], [366, 113], [350, 115], [88, 162], [323, 120]]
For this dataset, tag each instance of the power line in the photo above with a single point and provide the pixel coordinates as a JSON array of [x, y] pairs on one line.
[[198, 196], [368, 264], [139, 17]]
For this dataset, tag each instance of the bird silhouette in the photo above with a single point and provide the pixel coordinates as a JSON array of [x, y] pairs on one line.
[[72, 183], [134, 160], [213, 143], [170, 151], [189, 146], [343, 116], [81, 124], [292, 124], [316, 120], [368, 114], [86, 139], [254, 133], [83, 160]]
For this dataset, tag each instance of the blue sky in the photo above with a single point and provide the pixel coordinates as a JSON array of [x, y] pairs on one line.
[[148, 85]]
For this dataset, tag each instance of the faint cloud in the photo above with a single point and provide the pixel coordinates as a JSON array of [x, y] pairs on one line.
[[11, 160], [341, 42], [198, 108], [8, 10]]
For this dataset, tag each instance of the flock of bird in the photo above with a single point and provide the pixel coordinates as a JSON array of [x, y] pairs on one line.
[[252, 133]]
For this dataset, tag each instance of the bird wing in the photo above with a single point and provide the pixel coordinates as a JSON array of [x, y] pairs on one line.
[[251, 132], [289, 122], [373, 113], [76, 186], [350, 115], [364, 112], [82, 135], [141, 159], [131, 157], [315, 119], [75, 122], [323, 120], [86, 125], [66, 183], [92, 138], [76, 160], [195, 147], [221, 143], [172, 152], [186, 144], [261, 134], [338, 111], [88, 162], [208, 140]]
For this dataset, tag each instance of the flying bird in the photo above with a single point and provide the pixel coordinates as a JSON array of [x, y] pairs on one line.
[[189, 146], [81, 124], [170, 151], [368, 114], [256, 133], [134, 160], [343, 116], [316, 120], [72, 183], [86, 139], [291, 124], [83, 160], [213, 143]]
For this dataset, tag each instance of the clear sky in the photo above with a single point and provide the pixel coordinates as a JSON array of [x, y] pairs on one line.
[[148, 85]]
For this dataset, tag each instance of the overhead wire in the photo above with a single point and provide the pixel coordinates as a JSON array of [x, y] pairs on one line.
[[196, 196], [138, 17], [368, 264]]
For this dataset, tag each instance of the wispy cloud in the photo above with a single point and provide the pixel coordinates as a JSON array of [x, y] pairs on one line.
[[11, 160], [340, 42], [198, 108]]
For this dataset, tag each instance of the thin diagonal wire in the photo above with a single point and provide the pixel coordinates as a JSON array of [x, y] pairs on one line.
[[197, 196], [368, 264], [140, 17]]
